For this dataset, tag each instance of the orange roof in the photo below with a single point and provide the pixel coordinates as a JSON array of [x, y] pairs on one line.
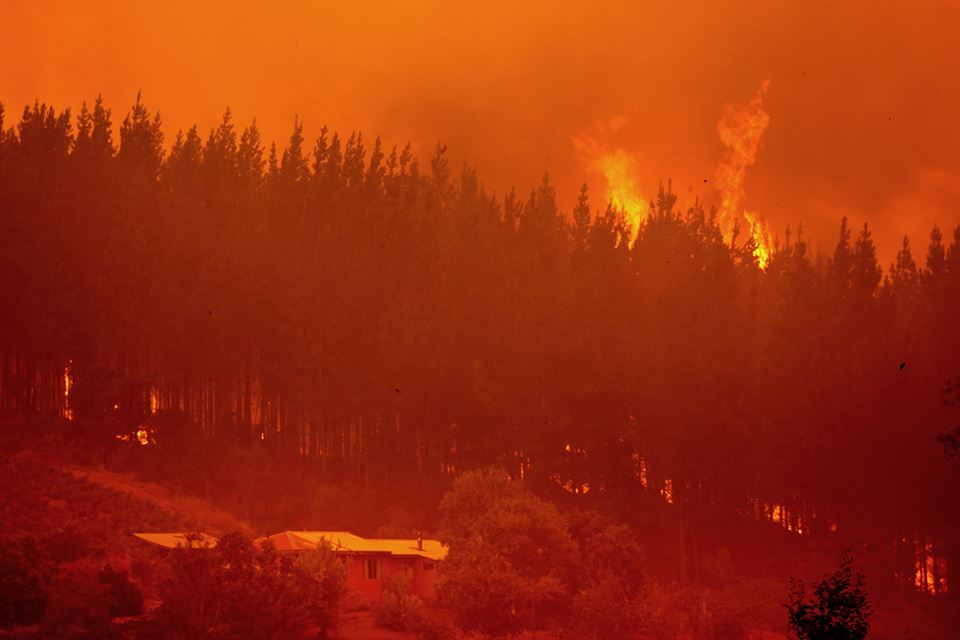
[[346, 542]]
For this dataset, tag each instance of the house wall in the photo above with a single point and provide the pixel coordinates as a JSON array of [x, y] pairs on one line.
[[422, 579], [425, 576]]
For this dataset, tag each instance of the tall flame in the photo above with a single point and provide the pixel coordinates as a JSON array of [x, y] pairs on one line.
[[619, 169], [741, 129]]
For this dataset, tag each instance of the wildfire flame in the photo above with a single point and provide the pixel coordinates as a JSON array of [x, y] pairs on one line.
[[741, 129], [619, 170]]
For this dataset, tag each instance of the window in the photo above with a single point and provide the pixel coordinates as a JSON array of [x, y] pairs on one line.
[[371, 569], [428, 566]]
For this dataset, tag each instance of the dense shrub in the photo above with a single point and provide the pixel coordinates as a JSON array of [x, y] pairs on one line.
[[398, 608], [79, 604], [320, 582], [23, 599], [239, 590], [66, 544], [123, 597]]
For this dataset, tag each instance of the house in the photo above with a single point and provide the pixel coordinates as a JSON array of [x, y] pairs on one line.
[[369, 560], [178, 540]]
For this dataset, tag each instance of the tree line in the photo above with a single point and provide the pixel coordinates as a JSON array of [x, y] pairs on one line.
[[396, 324]]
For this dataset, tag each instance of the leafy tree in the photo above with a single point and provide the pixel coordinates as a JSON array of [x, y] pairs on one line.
[[611, 601], [124, 598], [320, 580], [838, 610], [510, 556], [239, 590], [23, 599]]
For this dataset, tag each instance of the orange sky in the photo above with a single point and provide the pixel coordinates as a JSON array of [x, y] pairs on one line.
[[862, 95]]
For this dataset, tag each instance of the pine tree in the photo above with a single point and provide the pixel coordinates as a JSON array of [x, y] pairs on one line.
[[250, 156], [903, 272], [293, 164], [141, 143], [581, 220], [952, 260], [865, 272], [936, 256], [842, 262]]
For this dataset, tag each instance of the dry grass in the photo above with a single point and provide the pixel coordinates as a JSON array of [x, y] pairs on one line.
[[209, 518]]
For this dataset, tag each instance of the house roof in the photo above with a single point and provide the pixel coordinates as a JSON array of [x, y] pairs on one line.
[[341, 541], [346, 542], [174, 540]]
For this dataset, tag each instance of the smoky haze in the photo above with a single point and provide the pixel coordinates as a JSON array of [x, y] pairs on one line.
[[859, 98]]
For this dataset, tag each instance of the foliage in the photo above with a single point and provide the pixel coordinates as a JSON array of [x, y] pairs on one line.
[[511, 555], [23, 598], [839, 609], [240, 590], [320, 580], [124, 598], [951, 439], [611, 601], [292, 324], [399, 608], [79, 604]]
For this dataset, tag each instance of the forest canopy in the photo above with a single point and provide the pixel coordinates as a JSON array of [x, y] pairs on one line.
[[396, 324]]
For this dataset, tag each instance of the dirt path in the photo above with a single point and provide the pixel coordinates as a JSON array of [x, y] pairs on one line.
[[208, 517]]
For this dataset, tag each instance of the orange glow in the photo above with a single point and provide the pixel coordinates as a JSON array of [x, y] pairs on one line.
[[930, 570], [67, 387], [667, 491], [741, 130], [642, 472], [154, 401], [570, 486], [142, 436], [619, 170]]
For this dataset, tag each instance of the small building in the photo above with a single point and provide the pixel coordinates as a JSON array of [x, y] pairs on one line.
[[179, 540], [369, 560]]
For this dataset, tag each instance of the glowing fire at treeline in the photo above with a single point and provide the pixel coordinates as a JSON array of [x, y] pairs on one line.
[[741, 131]]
